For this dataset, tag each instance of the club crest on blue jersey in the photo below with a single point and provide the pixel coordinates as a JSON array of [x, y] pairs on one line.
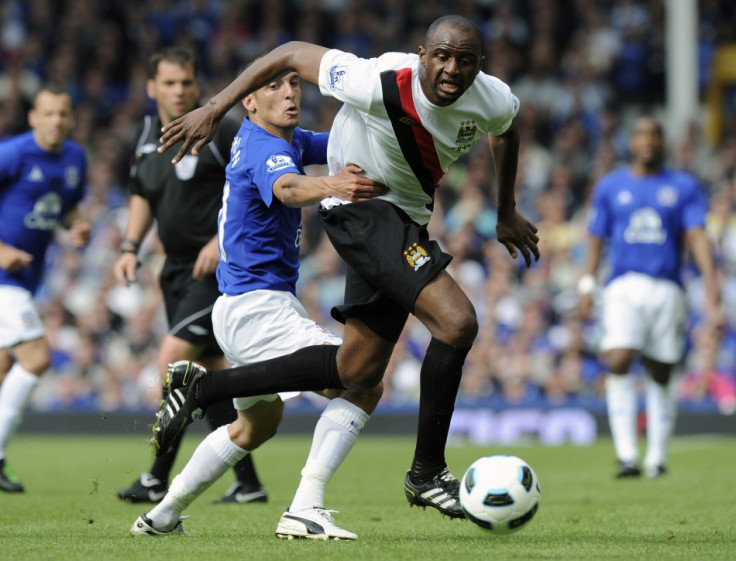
[[337, 73], [72, 177], [667, 195], [416, 256], [276, 163]]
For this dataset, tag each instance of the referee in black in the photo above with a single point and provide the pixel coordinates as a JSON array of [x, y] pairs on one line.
[[184, 200]]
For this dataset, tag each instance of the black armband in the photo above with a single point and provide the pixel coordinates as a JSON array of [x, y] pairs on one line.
[[129, 246]]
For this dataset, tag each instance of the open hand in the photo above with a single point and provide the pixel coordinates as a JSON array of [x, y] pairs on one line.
[[195, 129], [349, 185]]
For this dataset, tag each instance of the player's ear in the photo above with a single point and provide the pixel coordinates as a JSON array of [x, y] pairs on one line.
[[422, 52], [249, 103]]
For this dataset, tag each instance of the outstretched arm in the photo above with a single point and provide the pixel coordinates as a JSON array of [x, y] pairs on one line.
[[512, 230], [297, 190], [198, 127]]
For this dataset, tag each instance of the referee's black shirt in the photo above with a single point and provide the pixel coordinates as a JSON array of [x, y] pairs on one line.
[[186, 198]]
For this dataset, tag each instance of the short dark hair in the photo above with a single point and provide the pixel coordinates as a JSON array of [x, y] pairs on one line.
[[458, 22], [52, 88], [176, 55]]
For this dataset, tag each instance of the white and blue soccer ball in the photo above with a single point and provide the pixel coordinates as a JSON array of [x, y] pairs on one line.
[[500, 493]]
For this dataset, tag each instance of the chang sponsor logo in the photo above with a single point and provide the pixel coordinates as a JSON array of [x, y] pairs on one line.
[[645, 226], [45, 214]]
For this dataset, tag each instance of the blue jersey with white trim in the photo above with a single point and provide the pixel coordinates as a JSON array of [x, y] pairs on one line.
[[257, 234], [645, 219], [37, 189]]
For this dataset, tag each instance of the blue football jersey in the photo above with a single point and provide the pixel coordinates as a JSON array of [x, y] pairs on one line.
[[258, 235], [37, 188], [645, 220]]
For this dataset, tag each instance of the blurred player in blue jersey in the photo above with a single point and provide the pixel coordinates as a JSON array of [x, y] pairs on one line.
[[646, 212], [42, 180], [258, 315]]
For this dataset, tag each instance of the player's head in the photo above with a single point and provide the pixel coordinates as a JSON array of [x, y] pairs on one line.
[[172, 82], [450, 59], [51, 117], [647, 143], [276, 105]]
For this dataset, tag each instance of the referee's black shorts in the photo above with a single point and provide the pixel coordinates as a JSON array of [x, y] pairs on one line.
[[390, 259], [189, 304]]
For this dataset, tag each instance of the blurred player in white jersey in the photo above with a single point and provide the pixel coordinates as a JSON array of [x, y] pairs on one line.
[[646, 212]]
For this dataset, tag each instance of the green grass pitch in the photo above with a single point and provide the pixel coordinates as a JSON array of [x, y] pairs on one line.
[[70, 511]]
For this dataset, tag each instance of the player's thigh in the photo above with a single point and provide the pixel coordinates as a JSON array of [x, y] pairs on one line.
[[447, 311], [668, 316], [265, 324], [363, 357], [34, 356], [19, 317], [257, 423], [623, 321]]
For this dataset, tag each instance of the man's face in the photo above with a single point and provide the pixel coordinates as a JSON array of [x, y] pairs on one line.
[[51, 119], [449, 64], [275, 106], [646, 143], [174, 89]]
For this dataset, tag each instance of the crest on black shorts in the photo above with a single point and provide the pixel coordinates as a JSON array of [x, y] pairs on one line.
[[416, 256]]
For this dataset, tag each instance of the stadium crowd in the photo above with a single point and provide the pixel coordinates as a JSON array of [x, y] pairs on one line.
[[581, 70]]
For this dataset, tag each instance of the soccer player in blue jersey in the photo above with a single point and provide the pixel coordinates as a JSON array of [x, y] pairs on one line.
[[42, 180], [646, 212], [258, 315], [183, 201], [406, 117]]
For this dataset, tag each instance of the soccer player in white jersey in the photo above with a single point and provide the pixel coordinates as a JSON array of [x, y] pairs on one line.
[[405, 119], [41, 182], [258, 316], [646, 212]]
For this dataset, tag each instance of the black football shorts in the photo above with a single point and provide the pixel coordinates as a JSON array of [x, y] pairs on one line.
[[390, 259], [189, 305]]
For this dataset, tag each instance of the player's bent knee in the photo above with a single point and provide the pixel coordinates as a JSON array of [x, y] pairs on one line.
[[365, 399]]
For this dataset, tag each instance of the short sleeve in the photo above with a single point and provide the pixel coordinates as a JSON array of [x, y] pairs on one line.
[[503, 103], [600, 215], [348, 78], [695, 207], [271, 166]]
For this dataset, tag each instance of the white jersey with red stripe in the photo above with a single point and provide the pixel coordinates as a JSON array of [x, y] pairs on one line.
[[388, 127]]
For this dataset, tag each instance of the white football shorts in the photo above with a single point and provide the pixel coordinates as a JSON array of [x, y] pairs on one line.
[[19, 320], [261, 325], [645, 314]]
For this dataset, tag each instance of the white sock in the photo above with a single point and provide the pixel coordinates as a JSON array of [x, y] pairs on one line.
[[661, 414], [334, 436], [212, 458], [15, 393], [622, 411]]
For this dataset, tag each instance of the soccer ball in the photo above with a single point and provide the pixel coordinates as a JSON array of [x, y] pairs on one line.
[[500, 493]]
